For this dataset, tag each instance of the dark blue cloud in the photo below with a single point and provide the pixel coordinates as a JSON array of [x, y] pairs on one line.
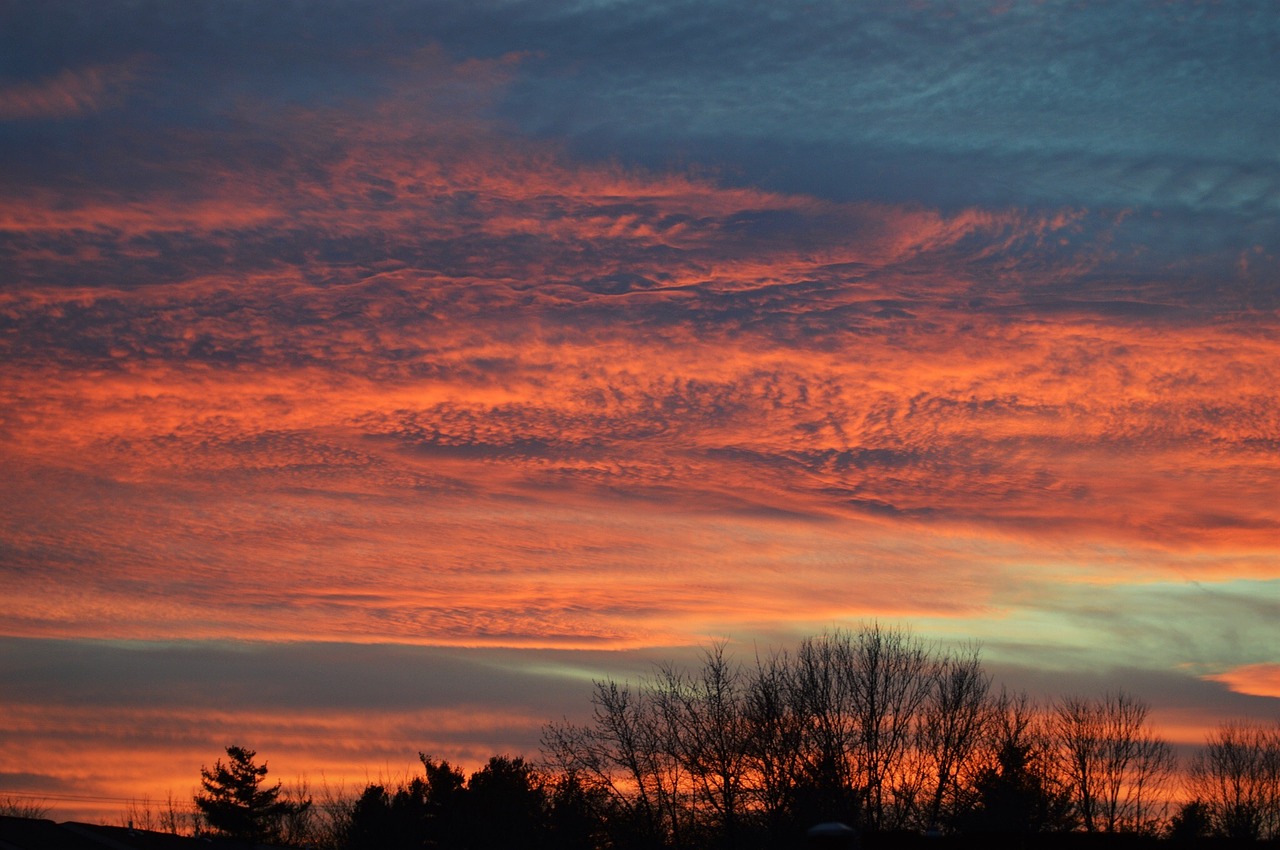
[[1132, 105], [1135, 82], [1139, 85]]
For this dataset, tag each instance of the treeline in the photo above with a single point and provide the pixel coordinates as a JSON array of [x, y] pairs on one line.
[[873, 728], [884, 732]]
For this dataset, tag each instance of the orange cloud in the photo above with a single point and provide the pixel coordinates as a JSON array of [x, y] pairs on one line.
[[409, 378], [1261, 680]]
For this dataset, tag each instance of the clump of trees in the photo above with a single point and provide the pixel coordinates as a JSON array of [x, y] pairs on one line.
[[1235, 783], [873, 727], [507, 803]]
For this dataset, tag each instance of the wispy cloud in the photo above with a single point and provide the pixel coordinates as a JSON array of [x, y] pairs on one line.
[[70, 93]]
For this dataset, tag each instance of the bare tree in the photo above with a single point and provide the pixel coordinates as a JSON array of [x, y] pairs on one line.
[[1114, 765], [774, 740], [955, 719], [867, 726], [891, 675], [334, 809], [708, 714], [21, 806], [624, 755], [301, 825], [1237, 776], [138, 814], [168, 816], [1078, 735], [1150, 775], [819, 691]]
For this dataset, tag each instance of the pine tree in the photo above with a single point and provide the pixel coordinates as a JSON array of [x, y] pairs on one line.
[[235, 804], [1014, 797]]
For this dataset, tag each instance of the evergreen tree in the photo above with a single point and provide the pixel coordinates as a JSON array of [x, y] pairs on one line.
[[381, 820], [508, 806], [235, 804], [443, 791], [1192, 822], [1014, 797]]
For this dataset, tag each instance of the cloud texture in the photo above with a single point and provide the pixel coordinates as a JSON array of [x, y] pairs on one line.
[[605, 329]]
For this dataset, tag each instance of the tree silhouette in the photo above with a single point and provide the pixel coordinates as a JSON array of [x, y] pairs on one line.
[[1237, 776], [235, 804], [505, 804], [381, 820], [442, 791], [1116, 767], [20, 807], [1014, 797], [706, 714], [957, 714], [509, 806], [578, 816], [872, 728], [623, 756], [1192, 822]]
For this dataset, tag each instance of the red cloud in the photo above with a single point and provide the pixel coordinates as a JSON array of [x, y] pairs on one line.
[[70, 93]]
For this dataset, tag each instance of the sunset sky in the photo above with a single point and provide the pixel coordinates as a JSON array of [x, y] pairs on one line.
[[373, 376]]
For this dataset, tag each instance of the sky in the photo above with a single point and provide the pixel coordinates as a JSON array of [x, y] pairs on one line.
[[374, 376]]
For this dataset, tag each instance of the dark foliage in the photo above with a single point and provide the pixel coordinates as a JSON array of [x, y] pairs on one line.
[[1014, 798], [1192, 822], [235, 804], [506, 804]]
